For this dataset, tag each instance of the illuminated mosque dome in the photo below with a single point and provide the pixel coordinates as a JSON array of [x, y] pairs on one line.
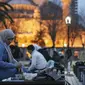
[[23, 25], [22, 8], [24, 14], [19, 2]]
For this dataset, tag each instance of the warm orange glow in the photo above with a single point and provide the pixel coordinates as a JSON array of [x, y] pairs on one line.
[[28, 54], [66, 4], [65, 45], [40, 2], [78, 42], [66, 1], [24, 7], [26, 28], [23, 45]]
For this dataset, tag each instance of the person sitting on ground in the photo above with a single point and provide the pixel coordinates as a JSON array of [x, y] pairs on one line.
[[16, 51], [8, 65], [38, 61], [43, 51]]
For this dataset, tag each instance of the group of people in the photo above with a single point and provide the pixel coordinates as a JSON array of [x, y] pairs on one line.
[[9, 66]]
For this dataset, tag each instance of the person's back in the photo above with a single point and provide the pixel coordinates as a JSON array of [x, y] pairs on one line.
[[40, 60], [68, 53], [56, 56], [44, 52]]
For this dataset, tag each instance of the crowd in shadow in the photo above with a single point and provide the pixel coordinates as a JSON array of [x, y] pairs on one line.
[[41, 56]]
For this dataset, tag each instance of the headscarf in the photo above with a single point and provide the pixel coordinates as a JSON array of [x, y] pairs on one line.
[[4, 35]]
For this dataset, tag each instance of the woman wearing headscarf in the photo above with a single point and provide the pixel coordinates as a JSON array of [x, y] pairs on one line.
[[8, 65]]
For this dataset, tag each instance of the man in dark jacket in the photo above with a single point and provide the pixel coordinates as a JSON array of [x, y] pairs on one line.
[[16, 51]]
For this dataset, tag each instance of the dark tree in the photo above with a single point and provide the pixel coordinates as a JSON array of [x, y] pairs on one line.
[[50, 11], [40, 34], [4, 8]]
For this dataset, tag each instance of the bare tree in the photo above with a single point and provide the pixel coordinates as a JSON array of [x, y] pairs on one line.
[[52, 28], [73, 34], [52, 13], [82, 25], [40, 34]]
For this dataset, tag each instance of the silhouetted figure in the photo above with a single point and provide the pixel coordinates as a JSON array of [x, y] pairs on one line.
[[56, 56], [44, 52], [16, 51], [68, 53]]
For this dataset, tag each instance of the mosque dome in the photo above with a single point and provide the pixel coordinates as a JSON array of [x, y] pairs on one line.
[[22, 8], [19, 2]]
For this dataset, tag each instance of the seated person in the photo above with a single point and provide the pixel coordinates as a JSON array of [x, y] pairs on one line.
[[38, 61], [16, 51], [43, 51], [8, 65]]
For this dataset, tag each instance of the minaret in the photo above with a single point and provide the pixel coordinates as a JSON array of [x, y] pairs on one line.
[[74, 11]]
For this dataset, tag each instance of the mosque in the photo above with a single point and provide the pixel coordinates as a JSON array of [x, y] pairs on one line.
[[27, 16]]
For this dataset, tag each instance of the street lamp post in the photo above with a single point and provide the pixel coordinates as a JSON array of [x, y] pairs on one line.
[[68, 23]]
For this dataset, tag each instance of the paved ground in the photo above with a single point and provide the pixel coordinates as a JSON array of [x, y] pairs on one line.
[[72, 79]]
